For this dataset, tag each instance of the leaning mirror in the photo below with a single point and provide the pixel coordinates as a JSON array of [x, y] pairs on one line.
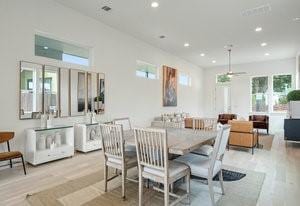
[[101, 93], [31, 90], [64, 92], [51, 90], [92, 86], [78, 92]]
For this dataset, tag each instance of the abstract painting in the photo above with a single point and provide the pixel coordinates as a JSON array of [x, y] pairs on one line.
[[169, 87]]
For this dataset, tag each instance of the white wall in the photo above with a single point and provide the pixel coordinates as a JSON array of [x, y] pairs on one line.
[[114, 53], [240, 89]]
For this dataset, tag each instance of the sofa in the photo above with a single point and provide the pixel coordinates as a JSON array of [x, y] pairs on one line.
[[224, 118], [260, 122], [242, 134]]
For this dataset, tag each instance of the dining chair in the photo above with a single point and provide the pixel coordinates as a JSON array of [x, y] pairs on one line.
[[209, 167], [114, 153], [207, 124], [153, 163], [10, 155], [125, 122]]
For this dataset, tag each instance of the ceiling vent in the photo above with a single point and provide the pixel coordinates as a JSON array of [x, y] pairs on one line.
[[257, 10], [106, 8]]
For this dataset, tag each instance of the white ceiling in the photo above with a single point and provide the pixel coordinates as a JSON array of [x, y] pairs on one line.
[[207, 25]]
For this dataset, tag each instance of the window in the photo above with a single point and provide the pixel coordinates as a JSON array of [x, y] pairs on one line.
[[146, 70], [185, 79], [282, 85], [259, 94], [62, 51], [223, 78]]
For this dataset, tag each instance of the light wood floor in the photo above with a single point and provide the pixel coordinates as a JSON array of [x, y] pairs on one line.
[[281, 165]]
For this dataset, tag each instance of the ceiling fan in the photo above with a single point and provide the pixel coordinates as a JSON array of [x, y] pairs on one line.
[[230, 73]]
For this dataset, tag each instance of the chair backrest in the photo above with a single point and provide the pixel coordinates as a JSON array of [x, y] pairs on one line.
[[125, 122], [178, 125], [6, 136], [241, 126], [152, 149], [204, 123], [219, 146], [112, 140]]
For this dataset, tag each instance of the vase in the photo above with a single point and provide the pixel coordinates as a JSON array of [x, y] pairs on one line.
[[49, 141], [57, 139], [41, 143]]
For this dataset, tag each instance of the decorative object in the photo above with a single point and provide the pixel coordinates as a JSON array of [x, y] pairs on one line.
[[87, 137], [57, 139], [41, 142], [169, 86], [293, 98], [35, 156]]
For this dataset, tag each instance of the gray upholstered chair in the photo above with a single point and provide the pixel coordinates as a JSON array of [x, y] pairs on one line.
[[152, 154], [205, 167], [114, 153]]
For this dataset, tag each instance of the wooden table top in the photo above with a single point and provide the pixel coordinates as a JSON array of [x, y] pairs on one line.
[[180, 141]]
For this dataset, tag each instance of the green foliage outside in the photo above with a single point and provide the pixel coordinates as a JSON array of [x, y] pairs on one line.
[[293, 95]]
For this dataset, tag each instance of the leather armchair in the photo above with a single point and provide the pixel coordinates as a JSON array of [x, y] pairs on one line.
[[224, 118], [260, 121]]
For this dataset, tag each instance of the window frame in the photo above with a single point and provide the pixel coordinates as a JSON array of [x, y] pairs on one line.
[[146, 63], [188, 76], [272, 92], [268, 95]]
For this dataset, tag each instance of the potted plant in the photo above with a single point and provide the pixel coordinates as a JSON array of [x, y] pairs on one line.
[[293, 98]]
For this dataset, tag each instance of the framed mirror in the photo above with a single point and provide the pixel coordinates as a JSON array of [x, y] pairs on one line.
[[101, 93], [31, 90], [51, 90], [64, 98], [78, 92], [92, 86]]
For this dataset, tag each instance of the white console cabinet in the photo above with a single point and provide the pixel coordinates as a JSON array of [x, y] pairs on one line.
[[87, 137], [48, 144]]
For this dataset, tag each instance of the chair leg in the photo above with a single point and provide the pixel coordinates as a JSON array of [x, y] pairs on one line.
[[166, 193], [10, 163], [124, 173], [211, 190], [188, 187], [105, 177], [141, 182], [221, 182], [23, 165]]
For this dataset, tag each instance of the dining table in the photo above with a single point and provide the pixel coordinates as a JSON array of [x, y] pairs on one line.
[[180, 141]]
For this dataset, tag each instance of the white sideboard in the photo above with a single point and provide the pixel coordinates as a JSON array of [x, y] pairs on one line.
[[87, 137], [48, 144]]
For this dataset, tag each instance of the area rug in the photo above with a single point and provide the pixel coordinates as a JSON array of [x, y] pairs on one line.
[[88, 191]]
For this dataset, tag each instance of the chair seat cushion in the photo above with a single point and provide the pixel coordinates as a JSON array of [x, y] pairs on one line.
[[199, 164], [204, 150], [130, 159], [175, 168], [10, 155]]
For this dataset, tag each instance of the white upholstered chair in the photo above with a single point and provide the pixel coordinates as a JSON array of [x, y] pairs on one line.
[[153, 163], [114, 153], [205, 167]]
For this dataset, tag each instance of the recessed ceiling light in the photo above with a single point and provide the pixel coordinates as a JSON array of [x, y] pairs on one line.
[[45, 47], [214, 61], [154, 4], [263, 44], [258, 29], [267, 54], [106, 8], [296, 19], [202, 54], [186, 45]]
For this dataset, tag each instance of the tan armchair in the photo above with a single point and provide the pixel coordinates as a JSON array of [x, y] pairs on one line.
[[242, 134]]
